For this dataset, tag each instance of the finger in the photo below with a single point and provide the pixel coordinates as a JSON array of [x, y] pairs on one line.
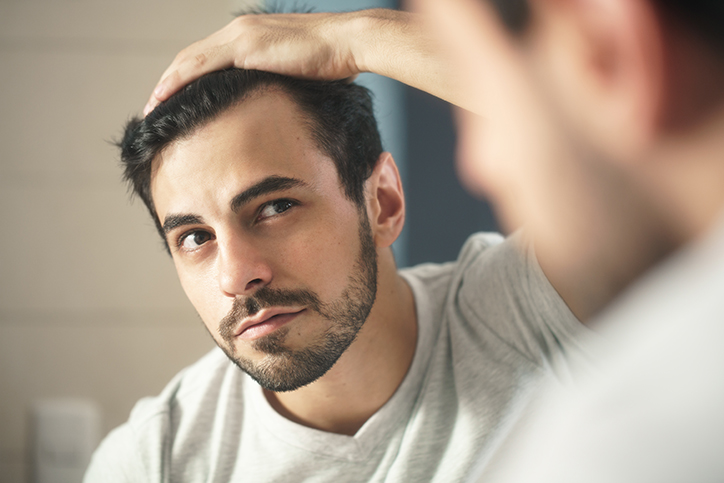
[[158, 95], [194, 67], [187, 70], [197, 54], [150, 105]]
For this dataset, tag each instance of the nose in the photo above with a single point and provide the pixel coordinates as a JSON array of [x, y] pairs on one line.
[[242, 267]]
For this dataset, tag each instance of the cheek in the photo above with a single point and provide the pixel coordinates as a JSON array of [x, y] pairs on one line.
[[318, 255], [484, 166], [319, 259], [202, 289], [473, 166], [489, 166]]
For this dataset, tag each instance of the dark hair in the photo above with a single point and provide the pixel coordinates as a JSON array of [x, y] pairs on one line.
[[515, 14], [705, 17], [339, 116]]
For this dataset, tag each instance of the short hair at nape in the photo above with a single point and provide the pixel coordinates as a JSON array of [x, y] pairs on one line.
[[339, 116], [703, 17]]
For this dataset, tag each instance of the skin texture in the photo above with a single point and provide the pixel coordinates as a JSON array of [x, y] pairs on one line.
[[313, 245], [287, 368]]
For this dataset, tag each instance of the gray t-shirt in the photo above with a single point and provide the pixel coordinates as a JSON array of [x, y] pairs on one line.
[[653, 411], [488, 325]]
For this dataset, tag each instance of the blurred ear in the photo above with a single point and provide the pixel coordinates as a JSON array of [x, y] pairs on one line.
[[602, 61], [385, 201]]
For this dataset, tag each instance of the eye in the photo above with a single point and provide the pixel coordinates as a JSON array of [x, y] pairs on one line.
[[273, 208], [193, 240]]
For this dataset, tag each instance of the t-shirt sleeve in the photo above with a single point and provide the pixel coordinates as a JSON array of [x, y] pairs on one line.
[[117, 459], [138, 450], [503, 291]]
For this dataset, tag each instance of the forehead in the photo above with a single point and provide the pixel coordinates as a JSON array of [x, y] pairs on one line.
[[265, 135]]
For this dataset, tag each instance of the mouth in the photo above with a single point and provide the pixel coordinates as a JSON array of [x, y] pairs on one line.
[[265, 322]]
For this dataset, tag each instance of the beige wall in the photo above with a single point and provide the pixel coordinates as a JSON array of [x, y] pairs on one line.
[[89, 302]]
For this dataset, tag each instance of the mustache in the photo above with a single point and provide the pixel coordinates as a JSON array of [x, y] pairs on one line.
[[263, 298]]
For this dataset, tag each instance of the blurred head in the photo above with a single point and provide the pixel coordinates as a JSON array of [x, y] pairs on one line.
[[597, 122], [273, 198]]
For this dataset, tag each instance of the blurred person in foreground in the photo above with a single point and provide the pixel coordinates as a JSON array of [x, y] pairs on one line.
[[601, 129], [278, 207]]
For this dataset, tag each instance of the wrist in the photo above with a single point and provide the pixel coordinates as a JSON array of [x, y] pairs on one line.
[[366, 32]]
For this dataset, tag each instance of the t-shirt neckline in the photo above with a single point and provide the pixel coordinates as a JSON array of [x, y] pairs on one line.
[[392, 416]]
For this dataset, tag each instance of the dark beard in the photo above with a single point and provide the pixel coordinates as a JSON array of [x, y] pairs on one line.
[[284, 369]]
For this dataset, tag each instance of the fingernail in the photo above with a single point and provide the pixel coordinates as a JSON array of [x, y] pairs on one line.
[[146, 110], [158, 91]]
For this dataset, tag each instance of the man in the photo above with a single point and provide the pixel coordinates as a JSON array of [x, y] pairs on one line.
[[629, 97], [602, 132], [279, 207]]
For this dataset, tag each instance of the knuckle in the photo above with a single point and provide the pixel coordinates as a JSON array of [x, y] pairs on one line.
[[200, 59], [180, 56], [184, 54], [243, 21]]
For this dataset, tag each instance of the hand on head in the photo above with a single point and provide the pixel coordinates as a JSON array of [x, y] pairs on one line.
[[320, 46], [300, 45]]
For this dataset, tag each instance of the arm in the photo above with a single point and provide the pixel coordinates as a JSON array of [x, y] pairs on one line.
[[117, 460], [321, 46]]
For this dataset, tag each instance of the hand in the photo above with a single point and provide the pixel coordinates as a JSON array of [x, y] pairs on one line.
[[314, 46]]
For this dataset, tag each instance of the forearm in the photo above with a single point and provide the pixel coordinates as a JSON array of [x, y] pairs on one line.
[[400, 46]]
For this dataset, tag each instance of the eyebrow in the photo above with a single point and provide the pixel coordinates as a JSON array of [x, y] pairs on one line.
[[171, 222], [268, 185]]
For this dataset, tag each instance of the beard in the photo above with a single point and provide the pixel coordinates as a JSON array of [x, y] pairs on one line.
[[285, 369]]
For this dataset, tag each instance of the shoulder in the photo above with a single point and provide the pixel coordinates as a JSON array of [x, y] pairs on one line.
[[185, 408], [480, 243], [116, 459], [191, 387], [438, 277], [499, 297], [495, 273], [485, 259]]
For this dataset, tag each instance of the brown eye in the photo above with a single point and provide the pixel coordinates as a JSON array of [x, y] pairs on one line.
[[275, 207], [194, 240]]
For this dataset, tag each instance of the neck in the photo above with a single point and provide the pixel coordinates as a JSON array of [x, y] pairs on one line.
[[638, 213], [687, 166], [611, 236], [369, 372], [688, 175]]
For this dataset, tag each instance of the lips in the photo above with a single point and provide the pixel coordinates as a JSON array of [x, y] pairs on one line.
[[266, 321]]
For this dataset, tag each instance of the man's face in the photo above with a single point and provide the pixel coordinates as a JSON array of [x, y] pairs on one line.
[[529, 152], [279, 264]]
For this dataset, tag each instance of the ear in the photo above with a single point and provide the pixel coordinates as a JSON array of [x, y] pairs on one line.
[[603, 62], [385, 201]]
